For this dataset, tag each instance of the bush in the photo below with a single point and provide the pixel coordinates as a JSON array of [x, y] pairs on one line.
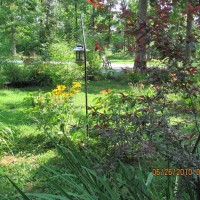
[[2, 80], [61, 52], [44, 73], [94, 68], [66, 74], [35, 73], [120, 128], [39, 73], [14, 72]]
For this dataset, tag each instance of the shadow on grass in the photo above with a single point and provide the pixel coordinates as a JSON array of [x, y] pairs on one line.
[[30, 177], [26, 169], [35, 141]]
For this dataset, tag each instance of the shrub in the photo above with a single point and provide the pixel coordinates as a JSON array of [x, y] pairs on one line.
[[14, 72], [121, 128], [66, 74], [130, 125], [94, 68], [126, 76], [34, 72], [135, 77], [2, 80], [61, 52], [39, 73]]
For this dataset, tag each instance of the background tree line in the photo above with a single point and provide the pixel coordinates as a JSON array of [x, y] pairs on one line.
[[136, 27]]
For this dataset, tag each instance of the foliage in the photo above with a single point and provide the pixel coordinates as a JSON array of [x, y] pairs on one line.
[[36, 73], [32, 174], [66, 73], [120, 128], [7, 138], [40, 73], [54, 110], [31, 73], [94, 68], [126, 76], [61, 52], [160, 120], [142, 125], [14, 72]]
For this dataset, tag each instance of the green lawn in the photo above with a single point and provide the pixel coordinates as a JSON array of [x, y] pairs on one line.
[[130, 60]]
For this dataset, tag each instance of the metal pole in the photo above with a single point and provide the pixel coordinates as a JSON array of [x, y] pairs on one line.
[[86, 81]]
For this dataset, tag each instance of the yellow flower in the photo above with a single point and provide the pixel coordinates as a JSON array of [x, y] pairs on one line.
[[66, 94], [57, 92], [57, 101], [73, 90], [61, 87], [76, 85]]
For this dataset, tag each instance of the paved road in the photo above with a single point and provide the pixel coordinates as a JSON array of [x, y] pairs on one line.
[[119, 66]]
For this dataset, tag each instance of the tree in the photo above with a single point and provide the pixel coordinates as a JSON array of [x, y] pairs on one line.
[[19, 26], [140, 35], [9, 22]]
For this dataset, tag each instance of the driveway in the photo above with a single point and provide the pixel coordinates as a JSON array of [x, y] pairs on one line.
[[120, 66]]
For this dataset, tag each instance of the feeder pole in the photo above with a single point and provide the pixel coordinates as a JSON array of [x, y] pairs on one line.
[[86, 81]]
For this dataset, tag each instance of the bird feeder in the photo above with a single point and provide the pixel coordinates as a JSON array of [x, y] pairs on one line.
[[79, 49]]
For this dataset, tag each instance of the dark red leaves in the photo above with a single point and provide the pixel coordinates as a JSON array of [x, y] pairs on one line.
[[97, 46], [192, 70], [192, 10], [97, 126], [96, 3]]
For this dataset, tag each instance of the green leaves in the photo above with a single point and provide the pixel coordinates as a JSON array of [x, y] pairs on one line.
[[149, 179], [1, 171], [18, 189]]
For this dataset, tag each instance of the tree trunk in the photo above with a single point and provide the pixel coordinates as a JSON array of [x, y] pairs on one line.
[[48, 28], [76, 20], [140, 36], [188, 35], [13, 46], [47, 23], [93, 20], [13, 36]]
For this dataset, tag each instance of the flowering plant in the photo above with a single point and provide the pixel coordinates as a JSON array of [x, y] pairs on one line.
[[54, 110]]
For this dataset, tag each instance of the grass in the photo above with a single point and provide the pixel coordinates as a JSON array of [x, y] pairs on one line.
[[130, 60]]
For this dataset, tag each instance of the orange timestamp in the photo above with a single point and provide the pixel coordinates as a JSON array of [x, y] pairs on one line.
[[175, 172]]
